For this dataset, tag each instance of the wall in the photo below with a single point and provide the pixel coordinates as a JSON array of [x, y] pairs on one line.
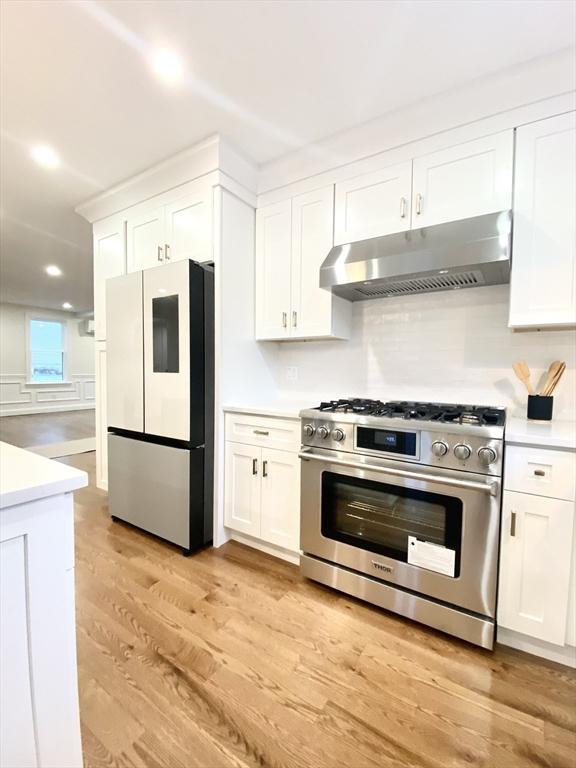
[[16, 396], [453, 346]]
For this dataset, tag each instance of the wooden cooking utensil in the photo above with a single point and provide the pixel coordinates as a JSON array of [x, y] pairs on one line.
[[523, 373], [552, 371], [553, 384]]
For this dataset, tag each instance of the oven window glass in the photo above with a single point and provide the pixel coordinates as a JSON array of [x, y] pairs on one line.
[[165, 334], [380, 517]]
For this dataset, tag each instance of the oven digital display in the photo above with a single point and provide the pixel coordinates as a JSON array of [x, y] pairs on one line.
[[387, 441], [386, 438]]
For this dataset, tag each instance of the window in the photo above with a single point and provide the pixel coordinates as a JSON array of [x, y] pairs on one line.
[[46, 351]]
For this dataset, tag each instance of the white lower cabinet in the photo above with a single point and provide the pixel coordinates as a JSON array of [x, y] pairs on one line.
[[243, 488], [280, 499], [535, 557], [262, 484]]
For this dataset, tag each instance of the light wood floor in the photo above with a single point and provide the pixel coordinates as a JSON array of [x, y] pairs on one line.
[[45, 428], [229, 659]]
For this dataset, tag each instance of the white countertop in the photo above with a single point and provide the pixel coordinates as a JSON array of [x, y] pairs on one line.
[[288, 409], [25, 476], [544, 434]]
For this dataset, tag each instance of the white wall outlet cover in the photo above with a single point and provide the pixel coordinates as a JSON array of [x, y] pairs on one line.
[[292, 373]]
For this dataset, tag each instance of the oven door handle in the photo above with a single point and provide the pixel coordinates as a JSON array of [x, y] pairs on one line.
[[491, 488]]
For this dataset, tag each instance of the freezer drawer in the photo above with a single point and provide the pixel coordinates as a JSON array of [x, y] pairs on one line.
[[149, 486]]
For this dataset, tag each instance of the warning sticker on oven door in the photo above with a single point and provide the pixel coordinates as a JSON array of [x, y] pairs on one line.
[[433, 557]]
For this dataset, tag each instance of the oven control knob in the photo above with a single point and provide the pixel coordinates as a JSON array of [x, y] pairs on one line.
[[462, 452], [339, 435], [439, 448], [323, 432], [309, 430], [487, 456]]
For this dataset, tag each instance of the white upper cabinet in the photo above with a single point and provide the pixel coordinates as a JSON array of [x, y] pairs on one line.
[[373, 204], [145, 238], [466, 180], [312, 223], [293, 238], [273, 267], [543, 282], [189, 225], [174, 226], [109, 261]]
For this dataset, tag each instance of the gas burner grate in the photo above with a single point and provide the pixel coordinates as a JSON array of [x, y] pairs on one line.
[[443, 413]]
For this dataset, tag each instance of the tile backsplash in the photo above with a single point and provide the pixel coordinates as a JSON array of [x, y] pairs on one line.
[[449, 346]]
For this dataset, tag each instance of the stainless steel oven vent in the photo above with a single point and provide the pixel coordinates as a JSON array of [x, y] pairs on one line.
[[424, 284], [459, 254]]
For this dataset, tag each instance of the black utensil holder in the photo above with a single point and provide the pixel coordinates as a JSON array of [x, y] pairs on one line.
[[540, 407]]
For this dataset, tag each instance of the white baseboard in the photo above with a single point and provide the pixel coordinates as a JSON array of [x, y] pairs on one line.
[[48, 409], [269, 549], [561, 654]]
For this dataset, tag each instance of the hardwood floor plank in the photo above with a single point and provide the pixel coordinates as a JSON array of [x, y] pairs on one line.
[[229, 659]]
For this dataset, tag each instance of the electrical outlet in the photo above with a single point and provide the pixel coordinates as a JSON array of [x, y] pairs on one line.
[[291, 373]]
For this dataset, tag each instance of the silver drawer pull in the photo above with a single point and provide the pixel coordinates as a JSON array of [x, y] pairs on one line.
[[254, 466], [160, 256], [284, 320], [540, 472], [264, 469], [261, 432]]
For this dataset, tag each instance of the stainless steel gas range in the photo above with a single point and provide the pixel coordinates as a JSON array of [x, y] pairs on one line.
[[400, 506]]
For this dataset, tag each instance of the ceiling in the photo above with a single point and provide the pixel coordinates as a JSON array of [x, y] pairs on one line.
[[272, 76]]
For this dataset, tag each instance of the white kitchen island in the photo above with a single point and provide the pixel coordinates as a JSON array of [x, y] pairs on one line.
[[39, 715]]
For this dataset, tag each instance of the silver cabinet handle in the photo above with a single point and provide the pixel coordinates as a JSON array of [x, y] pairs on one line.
[[284, 320], [418, 204], [264, 469], [540, 473], [254, 466], [261, 432], [167, 251], [491, 488], [294, 319], [402, 207], [513, 524], [160, 249]]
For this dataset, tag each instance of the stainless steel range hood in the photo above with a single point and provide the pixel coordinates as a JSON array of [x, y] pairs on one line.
[[460, 254]]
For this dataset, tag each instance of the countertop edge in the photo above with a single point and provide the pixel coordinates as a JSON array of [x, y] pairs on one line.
[[277, 412]]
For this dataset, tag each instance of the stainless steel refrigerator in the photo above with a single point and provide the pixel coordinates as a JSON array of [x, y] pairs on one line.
[[160, 401]]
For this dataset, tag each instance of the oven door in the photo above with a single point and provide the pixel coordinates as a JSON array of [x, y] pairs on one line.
[[433, 532]]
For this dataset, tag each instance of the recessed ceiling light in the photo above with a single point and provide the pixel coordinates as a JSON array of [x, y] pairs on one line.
[[66, 305], [168, 66], [53, 270], [45, 156]]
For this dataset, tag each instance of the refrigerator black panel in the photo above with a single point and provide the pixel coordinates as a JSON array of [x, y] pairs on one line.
[[208, 403], [197, 354], [199, 508]]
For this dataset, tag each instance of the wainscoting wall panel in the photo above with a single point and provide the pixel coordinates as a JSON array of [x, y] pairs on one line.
[[17, 397]]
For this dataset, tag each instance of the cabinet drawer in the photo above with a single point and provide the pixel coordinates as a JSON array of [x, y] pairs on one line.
[[265, 431], [541, 472]]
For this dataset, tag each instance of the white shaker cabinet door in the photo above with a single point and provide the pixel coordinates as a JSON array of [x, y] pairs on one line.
[[467, 180], [242, 488], [535, 558], [280, 518], [109, 261], [312, 227], [145, 238], [373, 204], [189, 225], [273, 270], [543, 282]]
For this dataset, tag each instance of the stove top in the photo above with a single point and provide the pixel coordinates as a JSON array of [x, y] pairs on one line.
[[442, 413]]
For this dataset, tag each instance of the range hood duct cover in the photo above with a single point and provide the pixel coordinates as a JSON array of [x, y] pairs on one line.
[[460, 254]]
